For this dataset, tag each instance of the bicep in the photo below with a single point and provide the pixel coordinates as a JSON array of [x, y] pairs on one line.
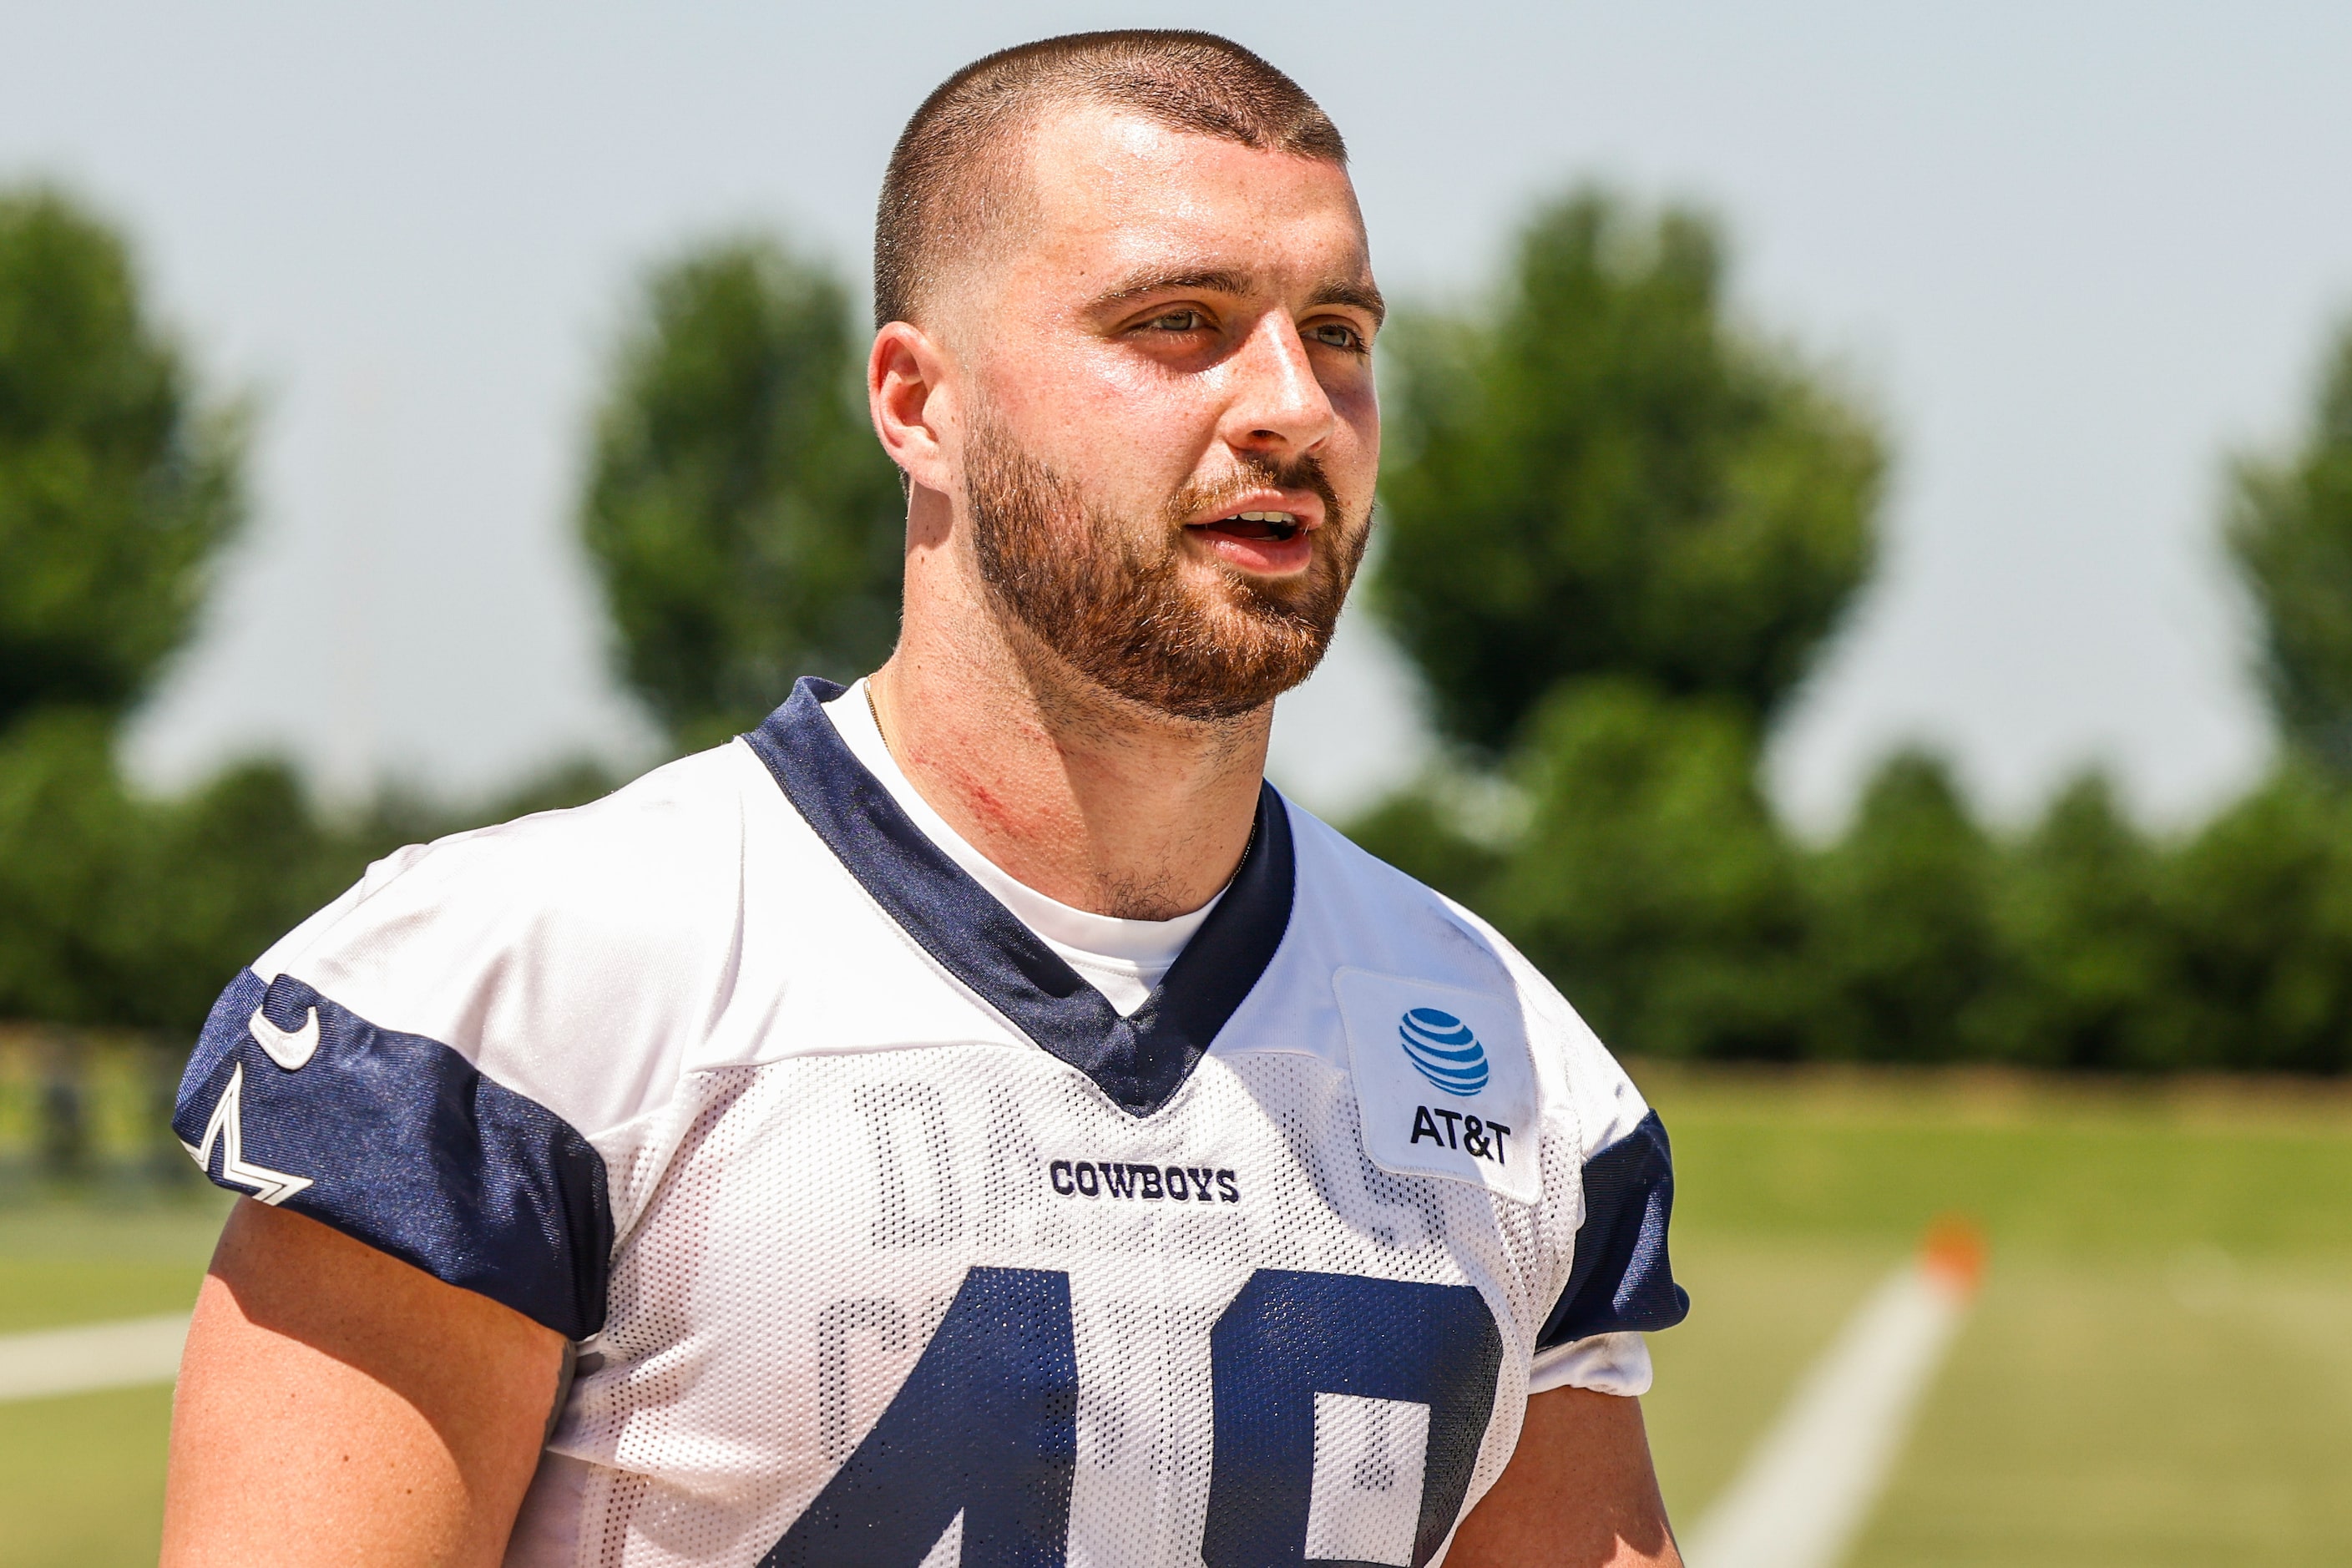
[[337, 1405], [1579, 1492]]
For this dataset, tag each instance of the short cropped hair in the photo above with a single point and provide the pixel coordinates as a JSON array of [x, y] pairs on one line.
[[952, 178]]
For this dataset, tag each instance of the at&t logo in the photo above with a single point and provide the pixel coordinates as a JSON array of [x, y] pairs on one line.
[[1444, 1050]]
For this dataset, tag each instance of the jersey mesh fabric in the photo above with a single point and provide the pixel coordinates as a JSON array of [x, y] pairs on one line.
[[820, 1215]]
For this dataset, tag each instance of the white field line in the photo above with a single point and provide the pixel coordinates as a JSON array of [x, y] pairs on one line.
[[92, 1357], [1809, 1485]]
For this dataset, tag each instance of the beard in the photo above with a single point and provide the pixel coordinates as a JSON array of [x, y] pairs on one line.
[[1119, 602]]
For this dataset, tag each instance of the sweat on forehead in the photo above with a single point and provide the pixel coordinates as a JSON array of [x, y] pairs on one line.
[[955, 177]]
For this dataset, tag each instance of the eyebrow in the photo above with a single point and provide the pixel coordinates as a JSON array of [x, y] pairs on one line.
[[1363, 297], [1213, 279], [1225, 280]]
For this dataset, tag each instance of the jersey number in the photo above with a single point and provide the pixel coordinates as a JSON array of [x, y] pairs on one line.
[[986, 1424]]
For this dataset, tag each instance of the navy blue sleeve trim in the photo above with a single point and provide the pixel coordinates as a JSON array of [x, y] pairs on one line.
[[399, 1141], [1621, 1280]]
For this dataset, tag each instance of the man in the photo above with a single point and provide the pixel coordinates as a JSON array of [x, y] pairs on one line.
[[970, 1119]]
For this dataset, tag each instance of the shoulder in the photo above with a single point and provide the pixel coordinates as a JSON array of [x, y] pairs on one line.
[[441, 1062], [589, 862], [543, 948], [1619, 1281], [1374, 916]]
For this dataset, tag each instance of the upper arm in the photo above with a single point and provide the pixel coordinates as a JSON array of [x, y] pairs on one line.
[[1579, 1492], [337, 1405], [411, 1083]]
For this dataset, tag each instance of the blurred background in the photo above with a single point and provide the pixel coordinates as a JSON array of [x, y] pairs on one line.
[[1863, 598]]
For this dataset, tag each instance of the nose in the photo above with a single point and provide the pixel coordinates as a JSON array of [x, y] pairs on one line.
[[1277, 406]]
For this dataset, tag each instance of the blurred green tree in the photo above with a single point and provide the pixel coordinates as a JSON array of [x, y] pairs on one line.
[[116, 490], [2091, 973], [2289, 533], [1901, 937], [1651, 883], [75, 852], [120, 909], [2260, 903], [1419, 830], [231, 867], [746, 524], [1602, 476], [117, 493]]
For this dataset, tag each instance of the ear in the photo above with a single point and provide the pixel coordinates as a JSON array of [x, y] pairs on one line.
[[913, 409]]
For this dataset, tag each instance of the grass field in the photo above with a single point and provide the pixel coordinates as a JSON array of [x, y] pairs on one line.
[[81, 1479], [2160, 1371]]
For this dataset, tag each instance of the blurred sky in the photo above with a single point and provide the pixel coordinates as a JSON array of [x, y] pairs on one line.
[[2074, 254]]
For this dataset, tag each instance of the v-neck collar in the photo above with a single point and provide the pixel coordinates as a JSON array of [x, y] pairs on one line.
[[1140, 1060]]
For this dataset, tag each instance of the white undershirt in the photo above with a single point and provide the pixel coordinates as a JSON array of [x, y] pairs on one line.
[[1124, 960]]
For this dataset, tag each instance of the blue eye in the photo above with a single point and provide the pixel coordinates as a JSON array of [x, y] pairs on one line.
[[1335, 334]]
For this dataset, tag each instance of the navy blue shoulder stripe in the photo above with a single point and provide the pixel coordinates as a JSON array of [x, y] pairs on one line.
[[1621, 1279], [399, 1141], [1140, 1060]]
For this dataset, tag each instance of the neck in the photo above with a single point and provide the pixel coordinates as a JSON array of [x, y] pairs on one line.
[[1089, 799]]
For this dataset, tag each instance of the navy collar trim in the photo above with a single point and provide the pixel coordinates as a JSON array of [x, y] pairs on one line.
[[1140, 1060]]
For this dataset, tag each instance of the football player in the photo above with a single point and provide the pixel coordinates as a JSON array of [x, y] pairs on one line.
[[972, 1117]]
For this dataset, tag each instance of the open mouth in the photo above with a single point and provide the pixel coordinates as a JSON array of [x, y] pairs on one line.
[[1278, 526]]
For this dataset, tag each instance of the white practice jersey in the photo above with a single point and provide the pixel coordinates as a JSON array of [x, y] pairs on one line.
[[884, 1240]]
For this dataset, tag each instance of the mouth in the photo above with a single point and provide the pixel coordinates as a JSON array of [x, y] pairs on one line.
[[1276, 525], [1264, 540]]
